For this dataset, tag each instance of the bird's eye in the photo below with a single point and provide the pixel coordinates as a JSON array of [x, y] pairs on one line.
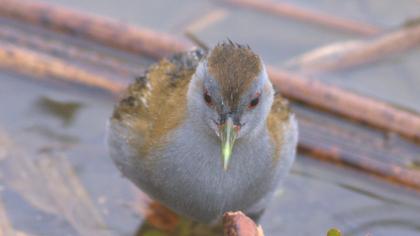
[[207, 98], [254, 102]]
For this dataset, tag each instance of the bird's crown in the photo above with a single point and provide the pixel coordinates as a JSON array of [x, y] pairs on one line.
[[234, 67]]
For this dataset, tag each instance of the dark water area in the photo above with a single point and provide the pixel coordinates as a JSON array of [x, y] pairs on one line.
[[56, 177]]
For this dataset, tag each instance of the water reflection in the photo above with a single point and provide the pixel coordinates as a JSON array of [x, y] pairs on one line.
[[160, 221], [65, 111]]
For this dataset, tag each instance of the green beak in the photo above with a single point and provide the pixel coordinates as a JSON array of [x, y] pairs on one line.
[[228, 136]]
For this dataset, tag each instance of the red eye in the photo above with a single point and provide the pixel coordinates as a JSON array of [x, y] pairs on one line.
[[254, 102], [207, 98]]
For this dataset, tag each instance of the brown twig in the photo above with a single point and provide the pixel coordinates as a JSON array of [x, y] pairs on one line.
[[306, 15], [59, 48], [330, 141], [196, 40], [34, 64], [238, 224], [106, 31], [357, 107], [331, 153], [350, 54], [356, 139], [207, 20]]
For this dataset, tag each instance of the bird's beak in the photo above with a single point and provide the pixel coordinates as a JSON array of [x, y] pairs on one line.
[[228, 132]]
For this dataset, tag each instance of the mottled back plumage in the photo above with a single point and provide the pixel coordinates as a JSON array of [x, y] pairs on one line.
[[155, 103]]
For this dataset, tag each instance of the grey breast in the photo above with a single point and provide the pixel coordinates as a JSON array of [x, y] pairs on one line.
[[188, 175]]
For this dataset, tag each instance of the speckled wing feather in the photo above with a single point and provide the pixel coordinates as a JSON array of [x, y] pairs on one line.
[[155, 103], [278, 120]]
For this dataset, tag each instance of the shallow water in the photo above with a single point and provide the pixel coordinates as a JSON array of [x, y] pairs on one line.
[[56, 177]]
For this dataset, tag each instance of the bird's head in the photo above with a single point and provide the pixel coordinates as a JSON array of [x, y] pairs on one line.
[[230, 95]]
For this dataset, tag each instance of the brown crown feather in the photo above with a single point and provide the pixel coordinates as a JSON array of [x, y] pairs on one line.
[[234, 67]]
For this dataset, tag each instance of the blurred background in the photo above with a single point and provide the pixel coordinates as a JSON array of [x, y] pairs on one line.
[[63, 64]]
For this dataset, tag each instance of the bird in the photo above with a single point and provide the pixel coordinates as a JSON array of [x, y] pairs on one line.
[[203, 132]]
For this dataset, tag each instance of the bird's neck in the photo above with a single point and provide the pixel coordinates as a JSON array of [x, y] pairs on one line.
[[199, 127]]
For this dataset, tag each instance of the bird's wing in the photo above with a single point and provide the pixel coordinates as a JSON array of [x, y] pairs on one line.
[[155, 103], [278, 121]]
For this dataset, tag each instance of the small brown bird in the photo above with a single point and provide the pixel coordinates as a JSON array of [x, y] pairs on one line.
[[203, 133]]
